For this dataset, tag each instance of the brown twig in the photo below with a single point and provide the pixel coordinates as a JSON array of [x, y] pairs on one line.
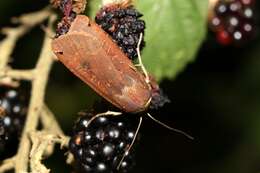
[[41, 141], [42, 70], [27, 22], [33, 144], [7, 164], [32, 148], [51, 125], [13, 34], [18, 74], [6, 48]]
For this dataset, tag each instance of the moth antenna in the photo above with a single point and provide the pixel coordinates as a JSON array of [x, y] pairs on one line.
[[140, 62], [121, 3], [127, 3], [132, 143], [170, 128], [103, 114]]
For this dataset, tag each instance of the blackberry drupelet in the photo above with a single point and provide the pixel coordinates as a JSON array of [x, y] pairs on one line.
[[13, 108], [124, 25], [100, 146], [233, 21]]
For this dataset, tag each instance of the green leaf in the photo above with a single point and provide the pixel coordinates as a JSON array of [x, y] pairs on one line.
[[174, 32], [92, 8]]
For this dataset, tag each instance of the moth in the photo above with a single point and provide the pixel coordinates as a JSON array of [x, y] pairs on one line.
[[88, 52]]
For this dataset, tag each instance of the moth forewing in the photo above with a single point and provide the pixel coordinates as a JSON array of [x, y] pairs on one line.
[[88, 52]]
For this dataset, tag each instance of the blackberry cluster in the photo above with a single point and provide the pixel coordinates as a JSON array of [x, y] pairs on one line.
[[100, 146], [233, 21], [124, 26], [13, 108]]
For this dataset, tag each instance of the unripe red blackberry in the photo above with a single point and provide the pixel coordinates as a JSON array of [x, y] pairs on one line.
[[233, 21], [13, 106], [123, 24], [100, 146]]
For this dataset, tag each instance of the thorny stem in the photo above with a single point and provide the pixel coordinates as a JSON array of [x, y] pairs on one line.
[[36, 145]]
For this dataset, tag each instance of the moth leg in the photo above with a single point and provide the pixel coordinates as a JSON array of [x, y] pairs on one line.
[[108, 113], [140, 62], [132, 143]]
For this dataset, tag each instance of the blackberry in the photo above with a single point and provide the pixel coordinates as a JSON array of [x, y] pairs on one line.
[[233, 21], [13, 108], [124, 25], [100, 146]]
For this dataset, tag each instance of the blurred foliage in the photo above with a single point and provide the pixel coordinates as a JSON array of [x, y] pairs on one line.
[[175, 30], [216, 98]]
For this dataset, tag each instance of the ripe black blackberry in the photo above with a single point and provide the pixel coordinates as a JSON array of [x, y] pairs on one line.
[[13, 108], [123, 24], [100, 146], [233, 21]]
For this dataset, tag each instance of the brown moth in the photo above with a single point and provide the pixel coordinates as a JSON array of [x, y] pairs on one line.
[[88, 52]]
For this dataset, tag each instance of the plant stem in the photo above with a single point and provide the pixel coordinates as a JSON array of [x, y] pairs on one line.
[[36, 102]]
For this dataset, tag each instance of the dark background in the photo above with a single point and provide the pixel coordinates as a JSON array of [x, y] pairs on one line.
[[216, 99]]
